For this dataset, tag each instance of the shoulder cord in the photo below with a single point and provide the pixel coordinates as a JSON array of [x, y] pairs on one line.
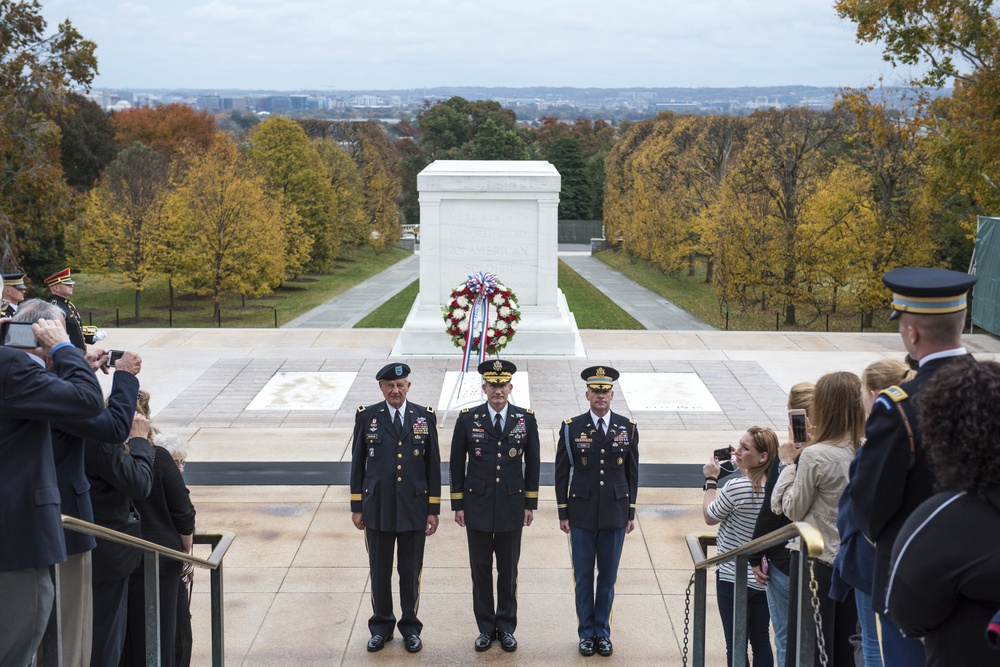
[[909, 434], [569, 450]]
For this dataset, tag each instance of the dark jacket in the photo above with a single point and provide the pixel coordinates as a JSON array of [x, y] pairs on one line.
[[890, 482], [767, 522], [605, 472], [501, 479], [945, 577], [395, 481], [855, 562], [112, 425], [166, 513], [30, 397], [74, 323]]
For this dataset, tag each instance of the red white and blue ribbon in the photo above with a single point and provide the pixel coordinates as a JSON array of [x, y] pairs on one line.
[[485, 286]]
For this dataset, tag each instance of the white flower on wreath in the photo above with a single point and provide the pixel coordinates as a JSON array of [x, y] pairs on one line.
[[462, 302], [504, 311], [501, 326], [498, 299], [513, 325], [463, 325], [502, 340], [460, 315], [490, 333]]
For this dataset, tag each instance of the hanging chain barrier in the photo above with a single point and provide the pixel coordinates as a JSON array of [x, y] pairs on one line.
[[817, 619], [687, 622]]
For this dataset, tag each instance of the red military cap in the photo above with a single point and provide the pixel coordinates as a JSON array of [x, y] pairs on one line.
[[59, 277]]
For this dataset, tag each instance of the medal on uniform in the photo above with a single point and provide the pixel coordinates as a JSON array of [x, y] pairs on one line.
[[620, 460], [583, 460], [512, 452], [416, 452]]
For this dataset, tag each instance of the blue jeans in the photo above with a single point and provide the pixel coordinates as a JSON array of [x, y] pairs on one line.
[[869, 629], [777, 602], [900, 651], [758, 621]]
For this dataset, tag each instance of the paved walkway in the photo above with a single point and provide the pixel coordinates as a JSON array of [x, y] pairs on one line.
[[345, 310], [651, 310]]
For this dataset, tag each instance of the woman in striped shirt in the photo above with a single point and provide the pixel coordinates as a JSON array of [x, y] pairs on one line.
[[735, 507]]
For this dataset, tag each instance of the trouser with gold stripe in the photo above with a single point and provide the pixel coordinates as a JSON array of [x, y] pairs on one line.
[[410, 560], [506, 546]]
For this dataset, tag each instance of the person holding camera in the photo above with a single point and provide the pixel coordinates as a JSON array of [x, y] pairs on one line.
[[600, 450], [30, 399], [734, 508]]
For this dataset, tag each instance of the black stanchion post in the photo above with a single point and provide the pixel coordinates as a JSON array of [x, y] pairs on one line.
[[219, 314], [862, 321], [171, 315], [118, 320], [90, 317], [727, 320], [828, 322], [275, 316], [777, 321]]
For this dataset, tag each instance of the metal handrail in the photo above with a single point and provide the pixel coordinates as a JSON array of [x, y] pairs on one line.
[[220, 546], [811, 545], [220, 542]]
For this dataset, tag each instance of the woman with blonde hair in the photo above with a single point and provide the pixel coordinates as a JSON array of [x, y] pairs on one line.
[[735, 507], [771, 568], [809, 489]]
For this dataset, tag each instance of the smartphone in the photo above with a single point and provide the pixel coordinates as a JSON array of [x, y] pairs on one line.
[[723, 454], [797, 419], [19, 334], [763, 565], [114, 356]]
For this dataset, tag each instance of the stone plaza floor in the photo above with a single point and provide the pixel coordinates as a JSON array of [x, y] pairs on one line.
[[297, 589]]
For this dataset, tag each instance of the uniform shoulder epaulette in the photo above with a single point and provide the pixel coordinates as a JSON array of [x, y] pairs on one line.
[[567, 421], [895, 394], [361, 408], [464, 410], [631, 421], [529, 411], [430, 409]]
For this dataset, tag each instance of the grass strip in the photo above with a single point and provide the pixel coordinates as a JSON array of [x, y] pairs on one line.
[[392, 314], [589, 305]]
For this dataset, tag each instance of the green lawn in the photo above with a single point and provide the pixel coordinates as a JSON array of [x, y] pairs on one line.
[[698, 298], [109, 303], [591, 308], [588, 304], [392, 314]]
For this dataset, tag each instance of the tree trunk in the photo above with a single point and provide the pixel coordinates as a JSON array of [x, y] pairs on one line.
[[709, 270], [170, 284], [138, 293], [790, 314], [691, 265], [866, 318]]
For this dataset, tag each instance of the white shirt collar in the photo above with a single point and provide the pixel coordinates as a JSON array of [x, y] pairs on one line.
[[393, 411], [957, 352], [606, 418], [493, 413]]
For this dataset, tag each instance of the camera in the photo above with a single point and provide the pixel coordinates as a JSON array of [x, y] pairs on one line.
[[114, 356], [19, 335], [797, 418]]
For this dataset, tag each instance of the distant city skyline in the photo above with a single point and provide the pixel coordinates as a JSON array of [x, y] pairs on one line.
[[317, 45]]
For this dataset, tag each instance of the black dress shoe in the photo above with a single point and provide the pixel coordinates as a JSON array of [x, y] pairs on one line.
[[507, 641], [587, 646], [604, 646], [413, 643], [377, 642], [484, 641]]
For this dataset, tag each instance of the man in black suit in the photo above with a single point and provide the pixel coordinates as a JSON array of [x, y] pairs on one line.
[[494, 497], [892, 475], [395, 499], [600, 449], [30, 397]]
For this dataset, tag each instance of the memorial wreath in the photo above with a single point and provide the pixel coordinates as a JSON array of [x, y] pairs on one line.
[[481, 316]]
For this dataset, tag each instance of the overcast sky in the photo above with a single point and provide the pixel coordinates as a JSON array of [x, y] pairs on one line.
[[382, 44]]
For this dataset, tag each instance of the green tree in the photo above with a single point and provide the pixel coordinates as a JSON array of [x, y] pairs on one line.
[[36, 71], [348, 192], [294, 170], [235, 231], [575, 197], [127, 229], [87, 145]]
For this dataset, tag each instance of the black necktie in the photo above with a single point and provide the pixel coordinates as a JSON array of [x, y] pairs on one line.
[[600, 426], [497, 424], [397, 424]]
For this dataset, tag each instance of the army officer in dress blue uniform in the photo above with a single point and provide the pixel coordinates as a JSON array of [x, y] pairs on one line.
[[395, 497], [597, 478], [13, 293], [494, 497]]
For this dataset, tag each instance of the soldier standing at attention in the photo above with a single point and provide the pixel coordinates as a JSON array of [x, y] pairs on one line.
[[61, 285], [494, 497], [892, 475], [395, 498], [13, 293], [600, 449]]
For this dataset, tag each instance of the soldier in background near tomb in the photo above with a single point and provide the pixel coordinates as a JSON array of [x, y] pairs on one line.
[[600, 450], [61, 285], [395, 499], [892, 475], [494, 497], [13, 293]]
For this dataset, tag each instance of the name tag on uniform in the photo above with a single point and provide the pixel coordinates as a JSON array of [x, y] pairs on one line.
[[371, 438], [584, 443], [478, 435]]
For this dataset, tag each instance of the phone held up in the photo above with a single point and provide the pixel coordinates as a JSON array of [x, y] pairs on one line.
[[723, 454], [114, 356], [797, 419], [19, 335]]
